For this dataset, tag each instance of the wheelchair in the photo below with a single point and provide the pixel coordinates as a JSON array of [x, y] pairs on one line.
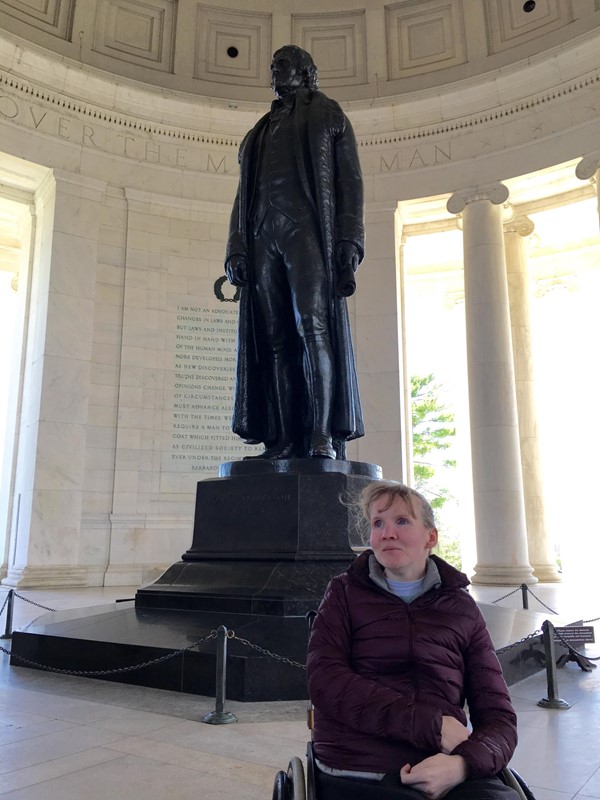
[[298, 784]]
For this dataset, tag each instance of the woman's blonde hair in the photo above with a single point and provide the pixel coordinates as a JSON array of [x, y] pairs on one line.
[[391, 490]]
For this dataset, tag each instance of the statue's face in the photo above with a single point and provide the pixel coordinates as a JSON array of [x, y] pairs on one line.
[[286, 74]]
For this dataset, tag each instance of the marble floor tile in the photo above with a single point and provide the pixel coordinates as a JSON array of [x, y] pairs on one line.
[[220, 766], [18, 729], [102, 717], [549, 794], [56, 768], [137, 779], [18, 755], [76, 711], [592, 787], [259, 748]]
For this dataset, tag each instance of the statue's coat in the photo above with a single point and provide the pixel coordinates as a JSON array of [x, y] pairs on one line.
[[329, 169]]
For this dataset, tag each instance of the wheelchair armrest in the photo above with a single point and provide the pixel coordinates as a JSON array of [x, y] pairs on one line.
[[512, 778]]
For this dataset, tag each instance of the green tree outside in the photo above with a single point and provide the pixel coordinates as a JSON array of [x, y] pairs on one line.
[[433, 432]]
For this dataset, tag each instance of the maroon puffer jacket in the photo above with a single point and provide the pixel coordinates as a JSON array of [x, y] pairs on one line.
[[382, 673]]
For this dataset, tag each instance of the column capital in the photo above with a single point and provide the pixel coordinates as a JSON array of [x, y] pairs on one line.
[[378, 210], [588, 166], [520, 224], [497, 193]]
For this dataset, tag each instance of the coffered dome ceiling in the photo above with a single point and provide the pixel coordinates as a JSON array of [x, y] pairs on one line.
[[373, 48]]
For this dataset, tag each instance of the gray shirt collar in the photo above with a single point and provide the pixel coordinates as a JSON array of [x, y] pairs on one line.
[[432, 575]]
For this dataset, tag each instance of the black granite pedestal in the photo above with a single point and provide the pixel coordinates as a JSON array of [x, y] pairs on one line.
[[268, 537]]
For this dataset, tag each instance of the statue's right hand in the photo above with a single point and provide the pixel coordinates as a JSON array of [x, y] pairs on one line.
[[236, 269]]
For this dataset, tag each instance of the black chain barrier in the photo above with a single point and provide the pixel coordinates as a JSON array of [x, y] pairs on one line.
[[266, 652], [504, 596], [262, 650], [96, 673], [541, 602], [211, 635], [4, 604], [521, 641], [32, 602], [525, 590]]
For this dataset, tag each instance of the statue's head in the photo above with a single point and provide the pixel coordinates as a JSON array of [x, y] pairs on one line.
[[292, 68]]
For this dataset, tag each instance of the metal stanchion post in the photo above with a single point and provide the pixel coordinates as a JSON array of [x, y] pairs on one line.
[[219, 716], [524, 592], [552, 701], [9, 615]]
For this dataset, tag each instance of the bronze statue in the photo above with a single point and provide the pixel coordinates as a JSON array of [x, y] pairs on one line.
[[296, 238]]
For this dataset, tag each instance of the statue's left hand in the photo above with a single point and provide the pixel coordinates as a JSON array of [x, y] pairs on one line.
[[346, 262], [236, 269], [346, 253]]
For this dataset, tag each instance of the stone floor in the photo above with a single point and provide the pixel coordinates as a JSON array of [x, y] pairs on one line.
[[65, 737]]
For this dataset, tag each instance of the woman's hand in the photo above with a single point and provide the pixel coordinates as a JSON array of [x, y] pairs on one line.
[[435, 776], [453, 734]]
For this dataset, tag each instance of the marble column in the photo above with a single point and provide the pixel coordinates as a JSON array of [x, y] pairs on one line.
[[588, 169], [539, 547], [501, 533], [376, 310], [48, 472], [408, 471]]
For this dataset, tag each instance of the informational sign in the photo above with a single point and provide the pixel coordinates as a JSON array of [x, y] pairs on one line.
[[582, 634]]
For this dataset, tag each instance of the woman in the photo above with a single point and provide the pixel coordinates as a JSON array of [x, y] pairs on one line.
[[396, 649]]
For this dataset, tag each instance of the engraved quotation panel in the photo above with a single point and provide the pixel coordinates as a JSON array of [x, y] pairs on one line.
[[138, 32], [424, 37], [233, 45], [337, 43], [51, 16], [509, 24], [200, 392]]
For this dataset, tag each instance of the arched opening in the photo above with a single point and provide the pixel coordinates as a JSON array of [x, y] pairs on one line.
[[16, 234]]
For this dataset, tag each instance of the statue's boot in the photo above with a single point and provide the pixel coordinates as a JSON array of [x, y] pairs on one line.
[[318, 373], [277, 451], [282, 409]]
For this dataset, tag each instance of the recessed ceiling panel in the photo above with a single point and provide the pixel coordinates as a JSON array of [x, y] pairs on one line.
[[233, 46], [136, 31], [512, 22], [337, 43], [51, 16], [423, 36]]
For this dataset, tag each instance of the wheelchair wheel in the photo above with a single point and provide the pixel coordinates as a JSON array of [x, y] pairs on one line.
[[311, 792], [296, 781], [280, 786]]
